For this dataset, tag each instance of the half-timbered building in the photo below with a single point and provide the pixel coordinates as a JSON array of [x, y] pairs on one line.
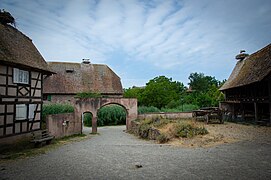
[[248, 89], [22, 70]]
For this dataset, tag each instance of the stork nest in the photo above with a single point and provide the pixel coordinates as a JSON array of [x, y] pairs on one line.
[[5, 18]]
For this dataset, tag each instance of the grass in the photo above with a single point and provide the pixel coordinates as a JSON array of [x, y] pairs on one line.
[[88, 95], [24, 149]]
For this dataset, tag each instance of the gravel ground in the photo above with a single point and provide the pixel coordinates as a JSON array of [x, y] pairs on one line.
[[114, 154]]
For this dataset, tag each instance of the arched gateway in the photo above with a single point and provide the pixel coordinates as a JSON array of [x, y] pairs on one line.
[[94, 104]]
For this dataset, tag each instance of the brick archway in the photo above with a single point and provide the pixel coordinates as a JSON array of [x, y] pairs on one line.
[[92, 105]]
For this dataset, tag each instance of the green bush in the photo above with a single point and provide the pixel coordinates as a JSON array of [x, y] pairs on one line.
[[188, 130], [111, 115], [145, 109], [55, 109], [87, 119]]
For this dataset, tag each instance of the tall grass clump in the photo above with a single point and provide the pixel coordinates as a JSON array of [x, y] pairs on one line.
[[111, 115], [88, 95], [188, 130], [145, 109]]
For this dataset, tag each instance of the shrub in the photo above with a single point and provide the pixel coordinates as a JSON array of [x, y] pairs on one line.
[[143, 131], [144, 109], [56, 109], [188, 130], [87, 119], [181, 108], [111, 115], [162, 138]]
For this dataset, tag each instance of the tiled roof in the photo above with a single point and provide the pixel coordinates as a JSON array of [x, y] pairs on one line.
[[72, 78]]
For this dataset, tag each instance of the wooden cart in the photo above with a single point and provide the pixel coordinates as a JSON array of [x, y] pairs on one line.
[[208, 113]]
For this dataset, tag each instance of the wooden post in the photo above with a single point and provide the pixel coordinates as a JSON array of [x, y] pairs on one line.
[[269, 94], [233, 111], [256, 111], [243, 111]]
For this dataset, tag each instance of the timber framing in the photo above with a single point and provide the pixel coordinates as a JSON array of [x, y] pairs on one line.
[[22, 71], [13, 94]]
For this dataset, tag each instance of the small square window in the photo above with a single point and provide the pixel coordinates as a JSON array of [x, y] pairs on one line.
[[21, 111], [20, 76]]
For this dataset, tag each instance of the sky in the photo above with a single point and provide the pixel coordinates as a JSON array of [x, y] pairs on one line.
[[142, 39]]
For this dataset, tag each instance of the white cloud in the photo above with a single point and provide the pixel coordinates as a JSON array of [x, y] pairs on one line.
[[169, 35]]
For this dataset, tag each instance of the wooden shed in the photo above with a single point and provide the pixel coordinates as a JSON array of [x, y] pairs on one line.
[[248, 89]]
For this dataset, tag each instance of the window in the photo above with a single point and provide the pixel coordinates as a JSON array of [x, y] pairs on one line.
[[21, 111], [20, 76], [31, 111]]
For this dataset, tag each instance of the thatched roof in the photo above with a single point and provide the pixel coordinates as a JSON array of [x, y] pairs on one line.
[[73, 78], [252, 69], [17, 49]]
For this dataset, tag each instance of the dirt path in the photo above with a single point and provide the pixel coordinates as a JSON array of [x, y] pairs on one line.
[[114, 154]]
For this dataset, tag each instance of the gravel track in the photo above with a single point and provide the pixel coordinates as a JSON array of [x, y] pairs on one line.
[[114, 154]]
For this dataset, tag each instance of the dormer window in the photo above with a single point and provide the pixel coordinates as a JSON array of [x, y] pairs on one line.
[[20, 76]]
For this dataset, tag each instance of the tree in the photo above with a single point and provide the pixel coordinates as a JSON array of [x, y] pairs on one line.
[[160, 91], [201, 83], [134, 92], [205, 90]]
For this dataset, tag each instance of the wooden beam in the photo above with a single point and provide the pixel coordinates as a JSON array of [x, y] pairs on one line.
[[269, 94], [243, 111], [256, 111]]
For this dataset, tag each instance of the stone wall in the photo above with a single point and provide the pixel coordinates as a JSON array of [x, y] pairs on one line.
[[179, 115], [60, 125]]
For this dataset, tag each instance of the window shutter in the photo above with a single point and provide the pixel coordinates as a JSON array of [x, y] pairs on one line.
[[15, 75], [31, 112]]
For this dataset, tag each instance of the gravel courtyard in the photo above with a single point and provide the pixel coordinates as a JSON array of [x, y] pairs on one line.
[[114, 154]]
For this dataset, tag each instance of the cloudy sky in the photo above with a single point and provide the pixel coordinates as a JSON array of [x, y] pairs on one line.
[[142, 39]]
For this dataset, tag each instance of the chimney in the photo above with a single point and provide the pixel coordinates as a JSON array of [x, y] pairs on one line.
[[241, 56], [85, 61]]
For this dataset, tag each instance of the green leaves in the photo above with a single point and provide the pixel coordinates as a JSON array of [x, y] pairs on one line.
[[160, 91], [165, 94], [111, 115]]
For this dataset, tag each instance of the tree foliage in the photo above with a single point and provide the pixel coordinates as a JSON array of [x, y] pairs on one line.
[[160, 91], [165, 94]]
